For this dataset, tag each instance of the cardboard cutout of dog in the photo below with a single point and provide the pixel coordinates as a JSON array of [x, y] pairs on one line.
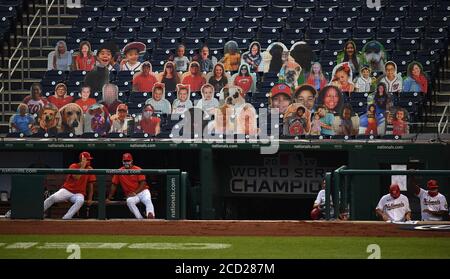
[[272, 57], [375, 56], [71, 119], [303, 55], [48, 119]]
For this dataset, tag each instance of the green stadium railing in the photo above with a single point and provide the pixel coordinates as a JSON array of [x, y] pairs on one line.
[[24, 195], [340, 175]]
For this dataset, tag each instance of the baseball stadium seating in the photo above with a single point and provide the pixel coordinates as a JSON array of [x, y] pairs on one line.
[[409, 30]]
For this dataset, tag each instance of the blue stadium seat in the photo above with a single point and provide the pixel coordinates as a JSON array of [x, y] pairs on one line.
[[165, 3], [283, 3], [207, 12], [143, 3], [224, 22], [248, 22], [131, 22], [137, 12], [272, 23], [298, 23], [212, 3], [113, 12], [259, 3], [254, 12], [157, 12], [278, 12], [231, 12], [408, 44]]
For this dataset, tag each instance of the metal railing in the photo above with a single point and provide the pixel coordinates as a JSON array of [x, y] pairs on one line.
[[2, 89], [442, 126], [30, 37], [338, 176], [48, 7], [12, 70]]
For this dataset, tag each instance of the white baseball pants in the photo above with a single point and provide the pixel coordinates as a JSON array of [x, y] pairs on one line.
[[146, 199], [65, 195]]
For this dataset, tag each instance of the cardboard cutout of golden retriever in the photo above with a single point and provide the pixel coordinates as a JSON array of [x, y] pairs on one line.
[[71, 119]]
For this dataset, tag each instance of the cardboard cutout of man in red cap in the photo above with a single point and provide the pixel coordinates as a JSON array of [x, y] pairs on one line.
[[74, 187], [134, 188], [394, 206], [433, 204]]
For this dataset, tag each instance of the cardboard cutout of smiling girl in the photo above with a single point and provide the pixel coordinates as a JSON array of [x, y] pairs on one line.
[[253, 57], [342, 77], [244, 79], [416, 81], [272, 57], [331, 97]]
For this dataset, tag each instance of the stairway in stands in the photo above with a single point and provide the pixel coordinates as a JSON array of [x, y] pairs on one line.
[[442, 100], [38, 64]]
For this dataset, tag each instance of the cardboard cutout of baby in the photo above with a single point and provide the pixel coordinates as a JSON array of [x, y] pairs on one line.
[[272, 57], [297, 120], [347, 122]]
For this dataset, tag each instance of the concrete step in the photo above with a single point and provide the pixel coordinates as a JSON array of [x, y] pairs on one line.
[[445, 85], [16, 84]]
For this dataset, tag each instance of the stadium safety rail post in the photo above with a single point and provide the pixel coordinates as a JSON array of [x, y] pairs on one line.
[[443, 126], [2, 91], [343, 171], [12, 70], [328, 180], [48, 7], [30, 37], [176, 182]]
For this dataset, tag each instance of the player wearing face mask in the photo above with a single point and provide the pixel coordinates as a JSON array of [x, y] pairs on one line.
[[134, 188]]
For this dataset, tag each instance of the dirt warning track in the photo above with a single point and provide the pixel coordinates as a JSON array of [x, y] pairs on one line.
[[214, 228]]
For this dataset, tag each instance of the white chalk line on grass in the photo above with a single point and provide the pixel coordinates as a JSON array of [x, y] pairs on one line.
[[119, 245]]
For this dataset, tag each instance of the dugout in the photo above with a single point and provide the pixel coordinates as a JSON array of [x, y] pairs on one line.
[[235, 181]]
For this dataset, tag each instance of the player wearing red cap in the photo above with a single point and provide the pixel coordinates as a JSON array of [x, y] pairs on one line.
[[318, 210], [74, 187], [433, 204], [394, 206], [134, 188]]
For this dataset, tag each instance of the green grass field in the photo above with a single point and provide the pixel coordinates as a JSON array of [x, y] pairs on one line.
[[188, 247]]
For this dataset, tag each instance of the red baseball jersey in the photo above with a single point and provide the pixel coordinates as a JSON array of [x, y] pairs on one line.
[[78, 186], [129, 183]]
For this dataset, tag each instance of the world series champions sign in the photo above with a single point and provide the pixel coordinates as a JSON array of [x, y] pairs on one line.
[[286, 174]]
